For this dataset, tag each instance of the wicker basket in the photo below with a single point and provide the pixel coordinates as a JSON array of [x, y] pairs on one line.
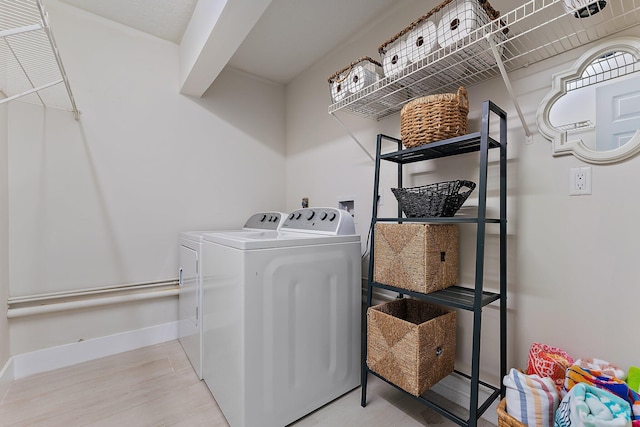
[[504, 419], [411, 343], [434, 118], [442, 199], [417, 257], [353, 78], [418, 39]]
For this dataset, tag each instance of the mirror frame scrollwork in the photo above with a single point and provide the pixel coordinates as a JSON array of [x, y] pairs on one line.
[[562, 144]]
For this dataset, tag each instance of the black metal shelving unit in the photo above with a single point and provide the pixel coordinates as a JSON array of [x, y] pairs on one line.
[[470, 299]]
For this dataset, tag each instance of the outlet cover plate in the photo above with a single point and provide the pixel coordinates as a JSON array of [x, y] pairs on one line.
[[580, 181]]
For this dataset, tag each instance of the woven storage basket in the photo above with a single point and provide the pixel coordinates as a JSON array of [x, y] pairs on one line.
[[424, 35], [353, 78], [434, 118], [442, 199], [417, 257], [411, 343], [504, 419]]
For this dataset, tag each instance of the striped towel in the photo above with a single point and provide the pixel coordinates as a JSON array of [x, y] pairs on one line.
[[576, 374], [531, 399]]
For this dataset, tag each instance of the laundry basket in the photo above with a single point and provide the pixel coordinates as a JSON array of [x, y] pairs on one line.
[[504, 419]]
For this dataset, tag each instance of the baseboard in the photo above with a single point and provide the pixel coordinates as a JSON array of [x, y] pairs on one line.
[[6, 377], [70, 354]]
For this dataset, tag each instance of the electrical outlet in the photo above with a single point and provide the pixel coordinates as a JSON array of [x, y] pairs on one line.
[[579, 181]]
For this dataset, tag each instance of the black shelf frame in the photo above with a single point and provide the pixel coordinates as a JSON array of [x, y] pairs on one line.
[[471, 299]]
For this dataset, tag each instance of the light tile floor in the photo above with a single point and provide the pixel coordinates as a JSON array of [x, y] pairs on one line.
[[156, 386]]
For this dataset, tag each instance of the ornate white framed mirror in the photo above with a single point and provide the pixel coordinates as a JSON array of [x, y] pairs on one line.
[[593, 109]]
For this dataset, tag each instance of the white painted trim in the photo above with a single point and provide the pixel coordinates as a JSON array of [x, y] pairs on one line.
[[70, 354], [6, 377]]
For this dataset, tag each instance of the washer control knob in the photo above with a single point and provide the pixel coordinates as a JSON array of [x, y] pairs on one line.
[[298, 215], [332, 216], [292, 215], [310, 215], [263, 218], [323, 216]]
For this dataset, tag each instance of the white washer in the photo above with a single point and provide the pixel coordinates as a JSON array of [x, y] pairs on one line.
[[282, 317], [190, 279]]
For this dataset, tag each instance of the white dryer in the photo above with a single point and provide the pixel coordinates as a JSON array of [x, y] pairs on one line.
[[190, 279], [281, 317]]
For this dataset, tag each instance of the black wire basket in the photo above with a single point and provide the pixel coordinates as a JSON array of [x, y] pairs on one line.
[[442, 199]]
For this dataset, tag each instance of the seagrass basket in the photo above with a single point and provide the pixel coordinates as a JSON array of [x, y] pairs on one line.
[[504, 419], [434, 118], [417, 257], [411, 343]]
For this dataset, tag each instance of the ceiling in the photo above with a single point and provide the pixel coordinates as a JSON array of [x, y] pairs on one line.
[[166, 19], [293, 34], [289, 37]]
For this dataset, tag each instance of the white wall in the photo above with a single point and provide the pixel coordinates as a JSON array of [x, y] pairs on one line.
[[571, 269], [100, 201], [4, 237]]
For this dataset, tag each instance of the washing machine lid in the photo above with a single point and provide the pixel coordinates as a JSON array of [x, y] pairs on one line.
[[251, 240]]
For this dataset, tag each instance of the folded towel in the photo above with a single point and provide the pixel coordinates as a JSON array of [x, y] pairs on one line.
[[590, 406], [603, 366], [576, 375], [547, 361], [531, 399]]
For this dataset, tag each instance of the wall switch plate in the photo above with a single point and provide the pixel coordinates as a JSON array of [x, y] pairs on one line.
[[579, 181]]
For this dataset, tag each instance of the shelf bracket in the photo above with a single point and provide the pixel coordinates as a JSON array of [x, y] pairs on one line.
[[353, 136], [507, 83]]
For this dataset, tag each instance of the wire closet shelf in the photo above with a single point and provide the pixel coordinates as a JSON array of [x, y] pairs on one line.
[[537, 30], [30, 64]]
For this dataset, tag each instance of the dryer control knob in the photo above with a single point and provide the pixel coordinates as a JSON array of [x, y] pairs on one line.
[[310, 215], [263, 218], [298, 215], [332, 216], [292, 215], [323, 216]]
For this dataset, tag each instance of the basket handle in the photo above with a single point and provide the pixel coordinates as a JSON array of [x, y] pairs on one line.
[[463, 98], [466, 184], [345, 73]]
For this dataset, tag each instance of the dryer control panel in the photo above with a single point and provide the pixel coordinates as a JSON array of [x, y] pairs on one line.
[[266, 220], [331, 221]]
